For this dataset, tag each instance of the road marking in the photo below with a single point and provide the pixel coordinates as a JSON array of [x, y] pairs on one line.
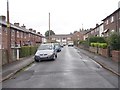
[[97, 63], [29, 67]]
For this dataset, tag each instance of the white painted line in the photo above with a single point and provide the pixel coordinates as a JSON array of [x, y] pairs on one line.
[[29, 67], [97, 63]]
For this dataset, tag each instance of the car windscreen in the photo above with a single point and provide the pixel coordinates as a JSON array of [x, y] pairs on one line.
[[45, 47]]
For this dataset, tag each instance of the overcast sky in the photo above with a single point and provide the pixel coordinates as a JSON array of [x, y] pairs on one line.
[[66, 15]]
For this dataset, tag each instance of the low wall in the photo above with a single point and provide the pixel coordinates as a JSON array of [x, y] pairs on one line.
[[116, 56]]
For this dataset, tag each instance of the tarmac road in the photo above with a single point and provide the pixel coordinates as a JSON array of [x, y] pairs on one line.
[[71, 69]]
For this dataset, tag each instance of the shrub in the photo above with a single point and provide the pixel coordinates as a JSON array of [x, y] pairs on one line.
[[94, 44], [97, 40], [27, 51], [114, 41], [102, 45]]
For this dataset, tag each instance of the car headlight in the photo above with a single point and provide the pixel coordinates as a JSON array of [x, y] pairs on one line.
[[50, 54]]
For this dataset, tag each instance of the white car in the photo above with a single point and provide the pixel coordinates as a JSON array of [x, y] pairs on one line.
[[70, 43], [46, 52]]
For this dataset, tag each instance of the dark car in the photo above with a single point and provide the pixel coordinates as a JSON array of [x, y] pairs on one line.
[[57, 47]]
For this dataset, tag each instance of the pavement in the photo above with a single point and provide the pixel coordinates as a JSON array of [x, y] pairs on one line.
[[12, 68], [107, 63]]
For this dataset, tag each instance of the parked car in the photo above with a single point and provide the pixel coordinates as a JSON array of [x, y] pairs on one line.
[[70, 43], [46, 52], [57, 47]]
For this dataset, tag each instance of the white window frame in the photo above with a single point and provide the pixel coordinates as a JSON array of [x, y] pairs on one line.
[[106, 22], [113, 31], [18, 34], [112, 19]]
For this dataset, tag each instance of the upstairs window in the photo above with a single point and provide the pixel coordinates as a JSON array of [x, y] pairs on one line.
[[112, 19], [18, 34], [107, 22]]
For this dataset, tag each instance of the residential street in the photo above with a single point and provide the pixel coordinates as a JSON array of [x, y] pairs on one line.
[[71, 69]]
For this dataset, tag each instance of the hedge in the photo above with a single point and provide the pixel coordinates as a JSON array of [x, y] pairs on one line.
[[97, 39], [100, 45], [27, 51]]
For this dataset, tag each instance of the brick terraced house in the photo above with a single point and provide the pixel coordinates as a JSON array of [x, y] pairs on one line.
[[20, 36], [112, 23]]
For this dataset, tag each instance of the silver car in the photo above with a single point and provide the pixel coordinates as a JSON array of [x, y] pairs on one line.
[[46, 52]]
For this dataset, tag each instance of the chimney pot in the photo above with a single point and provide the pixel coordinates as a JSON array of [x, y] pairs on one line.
[[3, 18], [38, 32], [97, 25], [23, 26]]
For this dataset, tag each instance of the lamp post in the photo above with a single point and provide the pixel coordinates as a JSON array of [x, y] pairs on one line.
[[49, 27], [8, 35]]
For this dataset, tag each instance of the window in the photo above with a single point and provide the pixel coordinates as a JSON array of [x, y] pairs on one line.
[[21, 34], [112, 31], [18, 34], [112, 19], [13, 32], [63, 38], [107, 22], [0, 29], [68, 38]]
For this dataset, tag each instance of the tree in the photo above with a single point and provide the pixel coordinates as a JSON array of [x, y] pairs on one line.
[[47, 33]]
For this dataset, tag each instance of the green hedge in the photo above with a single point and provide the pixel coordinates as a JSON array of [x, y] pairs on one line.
[[97, 39], [100, 45], [27, 51]]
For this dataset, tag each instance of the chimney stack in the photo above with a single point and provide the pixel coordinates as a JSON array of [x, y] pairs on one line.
[[16, 24], [34, 31], [23, 26], [3, 18], [31, 29]]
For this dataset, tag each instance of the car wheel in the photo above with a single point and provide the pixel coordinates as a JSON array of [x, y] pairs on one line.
[[54, 57], [37, 60]]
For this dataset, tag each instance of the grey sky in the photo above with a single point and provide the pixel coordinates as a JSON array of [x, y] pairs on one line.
[[66, 15]]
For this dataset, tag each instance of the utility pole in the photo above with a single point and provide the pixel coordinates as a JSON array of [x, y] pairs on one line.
[[82, 26], [8, 35], [49, 26]]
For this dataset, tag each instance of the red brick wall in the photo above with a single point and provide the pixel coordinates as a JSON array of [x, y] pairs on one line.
[[116, 56], [77, 35]]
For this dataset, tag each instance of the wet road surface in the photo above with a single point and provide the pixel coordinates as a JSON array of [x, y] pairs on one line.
[[71, 69]]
